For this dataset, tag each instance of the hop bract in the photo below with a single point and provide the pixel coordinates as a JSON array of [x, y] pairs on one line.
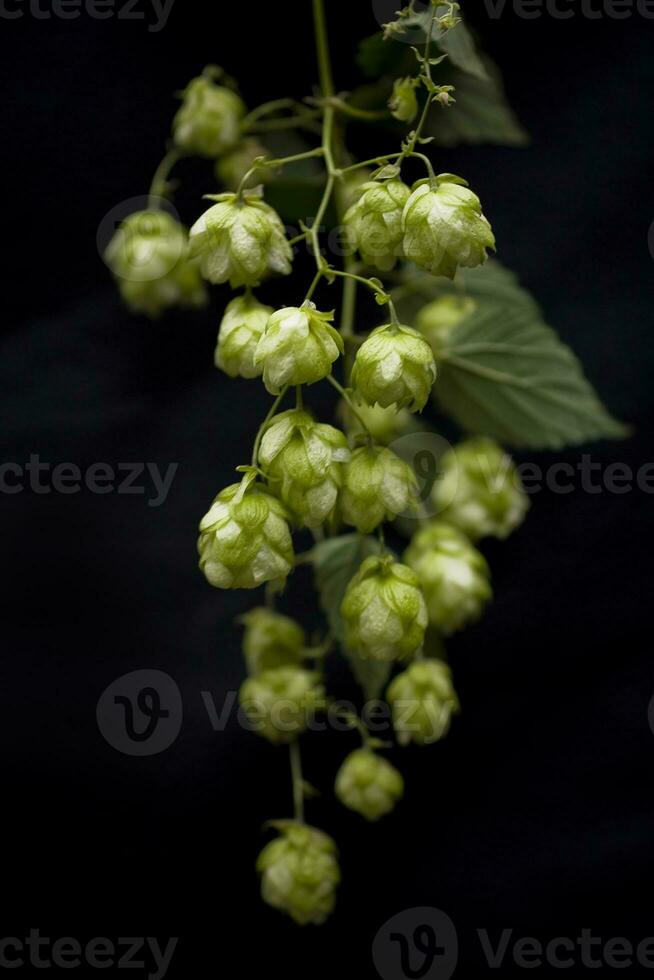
[[298, 346], [245, 539], [374, 222], [149, 258], [479, 490], [300, 873], [403, 103], [303, 460], [394, 366], [240, 330], [437, 319], [377, 486], [232, 167], [423, 701], [454, 576], [384, 611], [280, 702], [444, 227], [209, 119], [271, 640], [368, 784], [241, 240], [383, 424]]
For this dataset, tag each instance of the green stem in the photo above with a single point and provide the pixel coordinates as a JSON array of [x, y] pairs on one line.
[[278, 162], [346, 398], [350, 110], [159, 183], [298, 781], [343, 273], [262, 428], [322, 48]]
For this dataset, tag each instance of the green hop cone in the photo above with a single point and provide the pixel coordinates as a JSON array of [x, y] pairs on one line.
[[403, 103], [383, 424], [437, 319], [271, 640], [377, 486], [454, 576], [245, 539], [384, 611], [240, 240], [368, 784], [374, 222], [280, 702], [209, 120], [241, 327], [479, 490], [303, 462], [231, 168], [423, 701], [394, 366], [444, 227], [298, 346], [149, 258], [300, 873]]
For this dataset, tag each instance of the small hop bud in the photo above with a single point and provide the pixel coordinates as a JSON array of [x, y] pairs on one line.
[[149, 258], [271, 640], [300, 873], [454, 576], [444, 227], [377, 486], [244, 538], [298, 346], [384, 611], [403, 103], [209, 120], [368, 784], [280, 702], [423, 701], [232, 167], [374, 222], [443, 95], [383, 424], [241, 240], [394, 366], [437, 319], [240, 330], [302, 460], [479, 490]]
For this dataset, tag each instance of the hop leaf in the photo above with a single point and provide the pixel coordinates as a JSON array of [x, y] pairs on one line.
[[444, 227], [394, 366], [302, 459], [271, 640], [298, 346], [377, 486], [240, 240], [384, 610], [368, 784], [245, 539], [279, 702], [240, 330], [479, 490], [423, 701], [300, 873], [209, 120], [454, 576], [374, 222]]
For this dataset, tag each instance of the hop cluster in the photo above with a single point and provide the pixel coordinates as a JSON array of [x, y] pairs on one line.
[[298, 346], [245, 538], [423, 701], [394, 366], [479, 490], [303, 461], [271, 640], [209, 120], [149, 258], [374, 222], [280, 702], [454, 576], [300, 873], [368, 784], [384, 611], [377, 486], [240, 239], [240, 330]]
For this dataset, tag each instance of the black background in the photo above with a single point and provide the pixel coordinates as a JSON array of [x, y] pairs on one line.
[[537, 812]]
